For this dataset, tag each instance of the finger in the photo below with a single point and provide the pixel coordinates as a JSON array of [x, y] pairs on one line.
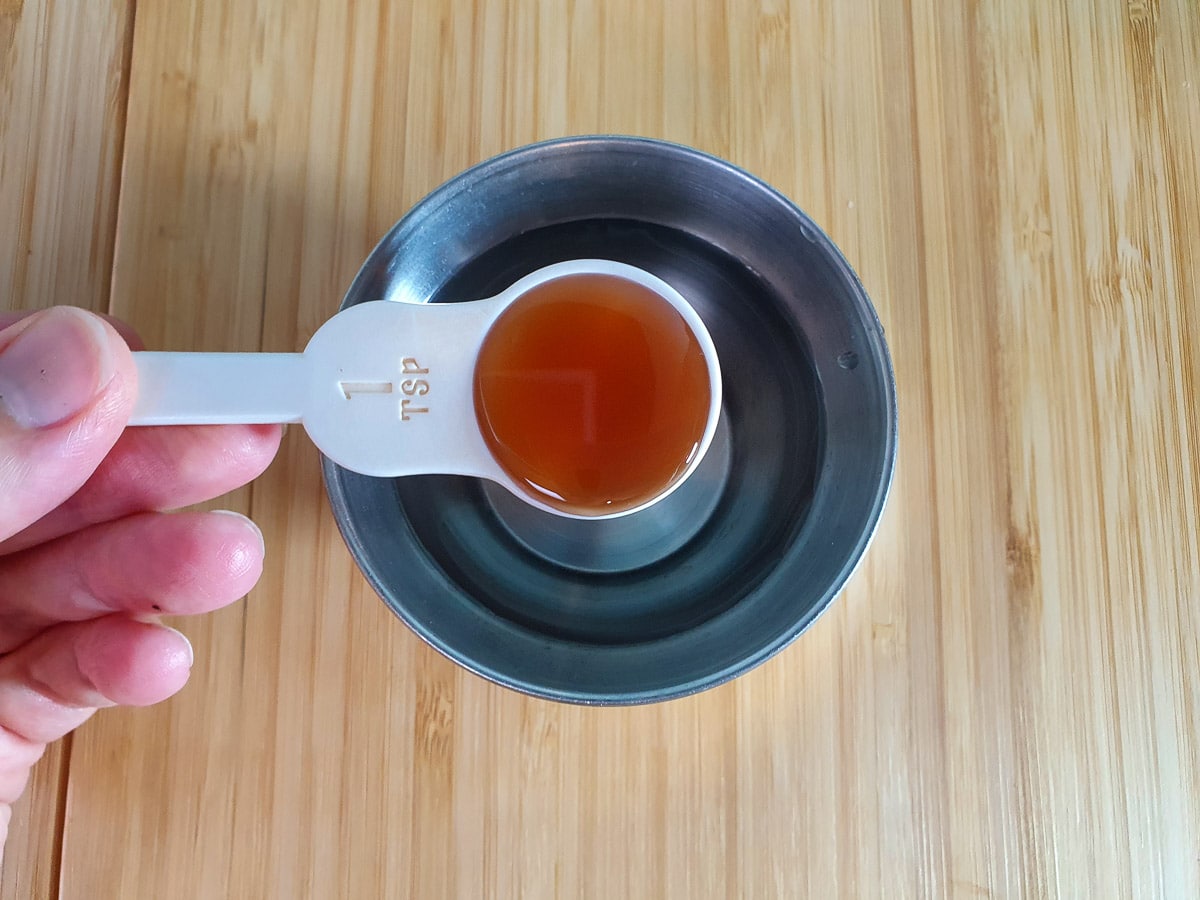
[[67, 385], [145, 565], [159, 468], [5, 818], [17, 756], [132, 339], [52, 684]]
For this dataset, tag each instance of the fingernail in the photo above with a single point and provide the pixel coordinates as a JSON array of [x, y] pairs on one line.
[[191, 654], [262, 543], [54, 367]]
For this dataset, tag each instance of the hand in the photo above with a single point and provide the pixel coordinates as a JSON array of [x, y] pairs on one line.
[[87, 560]]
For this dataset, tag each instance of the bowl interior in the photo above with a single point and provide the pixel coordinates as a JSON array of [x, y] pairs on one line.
[[734, 564], [772, 410]]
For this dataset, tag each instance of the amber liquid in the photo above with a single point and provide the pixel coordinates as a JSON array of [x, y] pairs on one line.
[[593, 393]]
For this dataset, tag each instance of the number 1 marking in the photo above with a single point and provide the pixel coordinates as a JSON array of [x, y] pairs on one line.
[[350, 388]]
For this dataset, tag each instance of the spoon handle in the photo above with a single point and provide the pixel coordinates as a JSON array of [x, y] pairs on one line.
[[219, 388]]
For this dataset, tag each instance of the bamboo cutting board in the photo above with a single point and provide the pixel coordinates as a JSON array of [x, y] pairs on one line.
[[1005, 702]]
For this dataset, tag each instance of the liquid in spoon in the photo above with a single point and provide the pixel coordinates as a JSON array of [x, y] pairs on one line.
[[592, 392]]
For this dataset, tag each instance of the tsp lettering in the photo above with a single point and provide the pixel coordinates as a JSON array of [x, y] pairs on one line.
[[412, 386], [413, 389]]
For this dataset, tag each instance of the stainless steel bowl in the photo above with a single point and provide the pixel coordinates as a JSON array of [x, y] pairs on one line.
[[740, 560]]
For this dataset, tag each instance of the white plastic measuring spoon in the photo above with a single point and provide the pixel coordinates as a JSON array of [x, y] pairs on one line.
[[386, 388]]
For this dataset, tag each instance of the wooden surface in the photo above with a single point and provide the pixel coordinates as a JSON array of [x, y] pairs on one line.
[[1006, 700]]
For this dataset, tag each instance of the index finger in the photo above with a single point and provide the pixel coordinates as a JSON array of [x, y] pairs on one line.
[[157, 468]]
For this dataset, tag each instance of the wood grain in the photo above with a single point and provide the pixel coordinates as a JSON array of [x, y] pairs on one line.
[[63, 69], [1006, 700]]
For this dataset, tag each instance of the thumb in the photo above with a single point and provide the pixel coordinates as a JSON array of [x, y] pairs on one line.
[[67, 385]]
